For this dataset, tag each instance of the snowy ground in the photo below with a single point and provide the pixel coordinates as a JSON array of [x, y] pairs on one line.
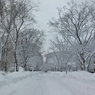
[[50, 83]]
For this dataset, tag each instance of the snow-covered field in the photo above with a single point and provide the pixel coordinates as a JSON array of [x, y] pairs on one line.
[[50, 83]]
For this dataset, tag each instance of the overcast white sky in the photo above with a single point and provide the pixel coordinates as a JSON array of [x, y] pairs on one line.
[[46, 12]]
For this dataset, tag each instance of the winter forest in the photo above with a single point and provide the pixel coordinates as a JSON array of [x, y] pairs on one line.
[[32, 65], [21, 44]]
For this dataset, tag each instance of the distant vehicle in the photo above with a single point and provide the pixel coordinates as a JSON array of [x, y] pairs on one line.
[[45, 71]]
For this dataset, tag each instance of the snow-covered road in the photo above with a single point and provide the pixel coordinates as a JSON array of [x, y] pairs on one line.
[[48, 84]]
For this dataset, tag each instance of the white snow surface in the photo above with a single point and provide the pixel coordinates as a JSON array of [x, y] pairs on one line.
[[50, 83]]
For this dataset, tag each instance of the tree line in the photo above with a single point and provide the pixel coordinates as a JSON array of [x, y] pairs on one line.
[[75, 45], [19, 40]]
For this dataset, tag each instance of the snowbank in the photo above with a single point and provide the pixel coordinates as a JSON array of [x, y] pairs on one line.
[[82, 75], [2, 76], [9, 78]]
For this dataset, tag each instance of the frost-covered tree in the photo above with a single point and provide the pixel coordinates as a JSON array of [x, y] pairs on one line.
[[61, 54], [75, 26], [14, 17], [31, 42]]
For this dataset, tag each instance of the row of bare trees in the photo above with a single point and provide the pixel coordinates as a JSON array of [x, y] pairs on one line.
[[16, 18], [76, 26]]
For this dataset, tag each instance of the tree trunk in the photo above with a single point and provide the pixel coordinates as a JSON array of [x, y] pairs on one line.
[[82, 60], [15, 61], [25, 67], [4, 59]]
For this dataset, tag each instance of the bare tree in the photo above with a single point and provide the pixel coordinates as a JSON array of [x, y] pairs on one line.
[[75, 26], [62, 53], [31, 41], [14, 17]]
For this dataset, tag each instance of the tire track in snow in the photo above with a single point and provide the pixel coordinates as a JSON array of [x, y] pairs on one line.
[[14, 80], [67, 87], [12, 93], [55, 88], [40, 88], [26, 88], [77, 89], [35, 88]]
